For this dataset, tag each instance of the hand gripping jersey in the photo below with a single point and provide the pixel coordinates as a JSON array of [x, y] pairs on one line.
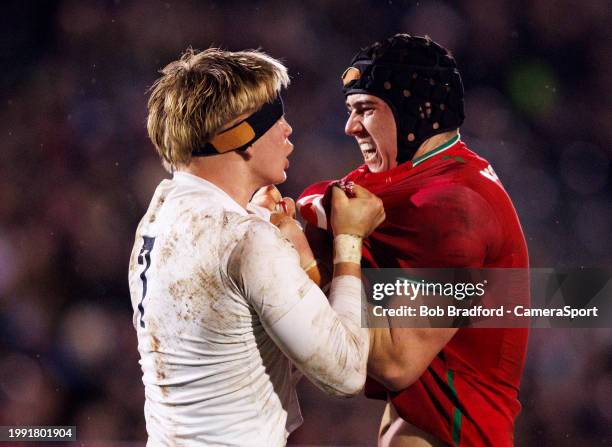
[[448, 209]]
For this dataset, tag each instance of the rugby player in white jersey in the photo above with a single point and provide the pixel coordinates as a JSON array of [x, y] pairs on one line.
[[223, 304]]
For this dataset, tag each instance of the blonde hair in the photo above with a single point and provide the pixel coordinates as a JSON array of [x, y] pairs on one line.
[[199, 93]]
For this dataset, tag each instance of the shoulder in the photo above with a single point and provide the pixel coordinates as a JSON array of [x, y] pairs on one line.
[[259, 238], [451, 197], [454, 208], [464, 182], [265, 268], [456, 224], [474, 170]]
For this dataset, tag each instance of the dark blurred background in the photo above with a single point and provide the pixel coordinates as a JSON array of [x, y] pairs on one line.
[[77, 171]]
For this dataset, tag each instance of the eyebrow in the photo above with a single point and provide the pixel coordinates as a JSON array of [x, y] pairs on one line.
[[362, 103]]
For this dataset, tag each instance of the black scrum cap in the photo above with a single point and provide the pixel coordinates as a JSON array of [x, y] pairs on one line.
[[419, 81]]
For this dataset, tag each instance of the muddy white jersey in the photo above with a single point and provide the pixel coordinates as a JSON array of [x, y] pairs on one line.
[[210, 283]]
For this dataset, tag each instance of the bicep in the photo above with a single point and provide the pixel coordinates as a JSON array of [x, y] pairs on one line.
[[266, 269]]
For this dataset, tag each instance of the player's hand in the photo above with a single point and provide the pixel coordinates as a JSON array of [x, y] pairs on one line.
[[359, 215], [287, 207], [270, 197], [283, 214], [292, 231], [267, 197]]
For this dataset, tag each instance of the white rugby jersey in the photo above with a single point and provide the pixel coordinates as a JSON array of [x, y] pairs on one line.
[[206, 277]]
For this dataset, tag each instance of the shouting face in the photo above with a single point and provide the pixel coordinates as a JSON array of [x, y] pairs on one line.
[[372, 124]]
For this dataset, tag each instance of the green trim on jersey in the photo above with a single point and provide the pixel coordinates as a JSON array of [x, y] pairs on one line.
[[435, 151], [456, 427], [456, 158]]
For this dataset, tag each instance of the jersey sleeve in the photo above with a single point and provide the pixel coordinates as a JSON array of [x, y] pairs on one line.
[[457, 226], [327, 345], [314, 204], [266, 269]]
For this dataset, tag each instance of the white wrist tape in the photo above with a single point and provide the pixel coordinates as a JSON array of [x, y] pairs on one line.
[[347, 248]]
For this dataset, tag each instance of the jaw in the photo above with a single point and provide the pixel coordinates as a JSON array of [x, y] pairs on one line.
[[371, 155], [374, 161]]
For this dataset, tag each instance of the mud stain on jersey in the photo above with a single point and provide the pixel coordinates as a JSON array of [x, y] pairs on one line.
[[160, 372], [346, 347], [179, 288], [160, 369], [168, 248], [155, 210], [182, 293], [133, 262], [199, 299], [202, 224], [209, 282], [225, 221], [154, 344], [214, 311]]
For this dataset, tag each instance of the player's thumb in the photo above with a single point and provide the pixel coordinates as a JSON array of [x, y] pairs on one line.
[[339, 197], [288, 207]]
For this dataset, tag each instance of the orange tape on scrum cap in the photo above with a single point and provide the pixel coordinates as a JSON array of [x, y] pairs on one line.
[[234, 137], [245, 133], [350, 74]]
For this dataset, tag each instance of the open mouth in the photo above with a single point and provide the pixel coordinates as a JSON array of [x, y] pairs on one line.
[[368, 151]]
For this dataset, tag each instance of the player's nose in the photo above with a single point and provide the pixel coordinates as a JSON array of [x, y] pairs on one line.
[[288, 130], [353, 126]]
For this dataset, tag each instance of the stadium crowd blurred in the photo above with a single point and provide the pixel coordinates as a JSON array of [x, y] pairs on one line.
[[77, 172]]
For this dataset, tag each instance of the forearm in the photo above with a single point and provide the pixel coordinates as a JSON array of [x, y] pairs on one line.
[[399, 356], [386, 362], [345, 299], [348, 341], [328, 346], [322, 337], [345, 294]]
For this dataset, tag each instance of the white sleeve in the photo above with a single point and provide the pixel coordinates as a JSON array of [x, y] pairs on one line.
[[325, 342]]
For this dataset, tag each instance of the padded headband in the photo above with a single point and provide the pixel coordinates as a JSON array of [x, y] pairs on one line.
[[243, 134]]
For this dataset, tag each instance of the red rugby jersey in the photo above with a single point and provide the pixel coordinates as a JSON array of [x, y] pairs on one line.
[[448, 209]]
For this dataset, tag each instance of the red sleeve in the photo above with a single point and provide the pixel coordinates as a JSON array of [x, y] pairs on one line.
[[457, 226], [311, 205]]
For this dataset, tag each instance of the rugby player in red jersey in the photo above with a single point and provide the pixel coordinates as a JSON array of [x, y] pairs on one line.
[[445, 208]]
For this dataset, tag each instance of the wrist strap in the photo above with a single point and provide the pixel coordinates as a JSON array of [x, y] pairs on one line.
[[310, 266], [312, 270], [347, 248]]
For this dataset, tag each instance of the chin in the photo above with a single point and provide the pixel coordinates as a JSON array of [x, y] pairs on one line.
[[280, 179], [376, 167]]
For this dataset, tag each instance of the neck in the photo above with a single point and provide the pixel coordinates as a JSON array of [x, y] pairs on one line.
[[433, 142], [226, 171]]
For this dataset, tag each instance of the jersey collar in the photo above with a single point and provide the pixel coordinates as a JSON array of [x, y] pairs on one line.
[[444, 146], [198, 182]]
